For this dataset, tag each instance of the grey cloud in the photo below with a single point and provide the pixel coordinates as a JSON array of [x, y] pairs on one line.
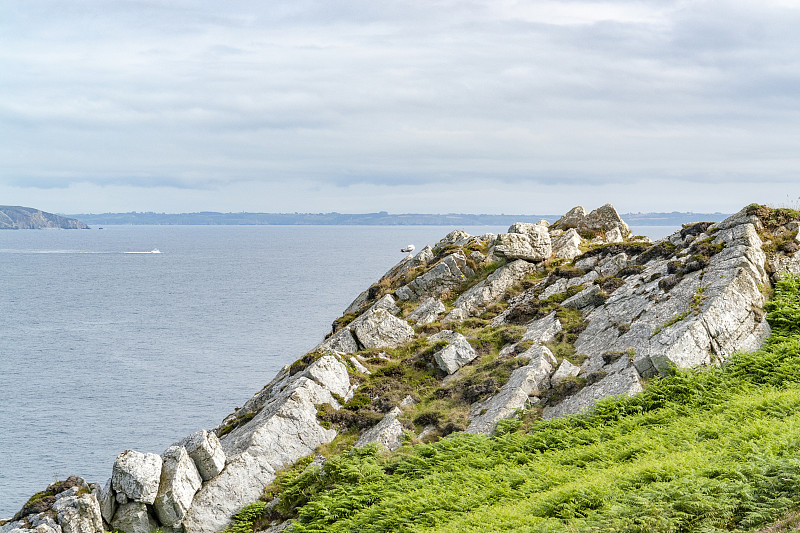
[[196, 94]]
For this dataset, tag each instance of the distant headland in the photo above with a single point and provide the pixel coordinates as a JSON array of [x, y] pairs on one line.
[[16, 217]]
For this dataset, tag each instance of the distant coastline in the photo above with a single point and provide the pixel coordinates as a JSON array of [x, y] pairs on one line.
[[381, 218]]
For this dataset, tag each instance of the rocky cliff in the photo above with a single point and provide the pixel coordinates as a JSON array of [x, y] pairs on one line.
[[15, 217], [542, 321]]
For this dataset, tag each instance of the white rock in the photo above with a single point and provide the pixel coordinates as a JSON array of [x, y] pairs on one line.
[[427, 312], [136, 475], [614, 235], [380, 329], [133, 517], [330, 373], [388, 433], [423, 257], [79, 514], [342, 341], [565, 370], [386, 302], [531, 379], [444, 276], [456, 354], [572, 219], [283, 431], [567, 245], [530, 247], [180, 481], [206, 451]]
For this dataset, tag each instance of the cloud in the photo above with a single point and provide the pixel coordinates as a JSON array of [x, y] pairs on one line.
[[194, 95]]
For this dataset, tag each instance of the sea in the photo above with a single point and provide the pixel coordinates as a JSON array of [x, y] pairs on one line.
[[132, 337]]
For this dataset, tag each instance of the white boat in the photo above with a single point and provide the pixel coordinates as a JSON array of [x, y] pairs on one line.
[[155, 251]]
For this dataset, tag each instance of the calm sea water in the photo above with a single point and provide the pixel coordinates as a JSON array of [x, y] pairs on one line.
[[105, 348]]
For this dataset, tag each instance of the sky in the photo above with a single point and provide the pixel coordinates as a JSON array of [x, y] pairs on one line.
[[435, 106]]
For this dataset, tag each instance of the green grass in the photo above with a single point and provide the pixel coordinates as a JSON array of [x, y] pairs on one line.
[[710, 450]]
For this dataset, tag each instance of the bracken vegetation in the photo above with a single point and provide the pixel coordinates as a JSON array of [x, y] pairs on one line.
[[716, 449]]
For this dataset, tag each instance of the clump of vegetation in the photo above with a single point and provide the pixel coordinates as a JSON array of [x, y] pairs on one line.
[[241, 419], [304, 362], [697, 228], [43, 501], [661, 250], [712, 450], [632, 249], [773, 218]]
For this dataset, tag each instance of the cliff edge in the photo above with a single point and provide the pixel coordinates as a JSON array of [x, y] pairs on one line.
[[15, 217]]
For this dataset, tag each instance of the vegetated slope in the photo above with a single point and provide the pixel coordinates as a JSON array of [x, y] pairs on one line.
[[711, 449], [15, 217]]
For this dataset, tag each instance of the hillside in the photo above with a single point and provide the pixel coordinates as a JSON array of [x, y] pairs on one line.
[[15, 217], [565, 376]]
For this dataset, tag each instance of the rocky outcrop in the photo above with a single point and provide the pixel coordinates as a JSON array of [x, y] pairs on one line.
[[489, 290], [64, 507], [15, 217], [530, 380], [553, 317]]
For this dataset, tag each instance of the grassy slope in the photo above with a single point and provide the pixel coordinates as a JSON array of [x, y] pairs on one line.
[[711, 450]]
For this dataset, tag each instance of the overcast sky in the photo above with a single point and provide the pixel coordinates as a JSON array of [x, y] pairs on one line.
[[489, 106]]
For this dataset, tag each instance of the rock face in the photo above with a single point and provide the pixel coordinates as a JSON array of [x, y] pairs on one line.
[[15, 217], [284, 430], [615, 310], [136, 475]]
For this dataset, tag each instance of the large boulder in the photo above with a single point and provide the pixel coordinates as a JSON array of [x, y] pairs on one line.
[[381, 329], [180, 481], [456, 354], [342, 341], [388, 433], [567, 245], [136, 475], [602, 220], [535, 246], [572, 219], [206, 451]]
